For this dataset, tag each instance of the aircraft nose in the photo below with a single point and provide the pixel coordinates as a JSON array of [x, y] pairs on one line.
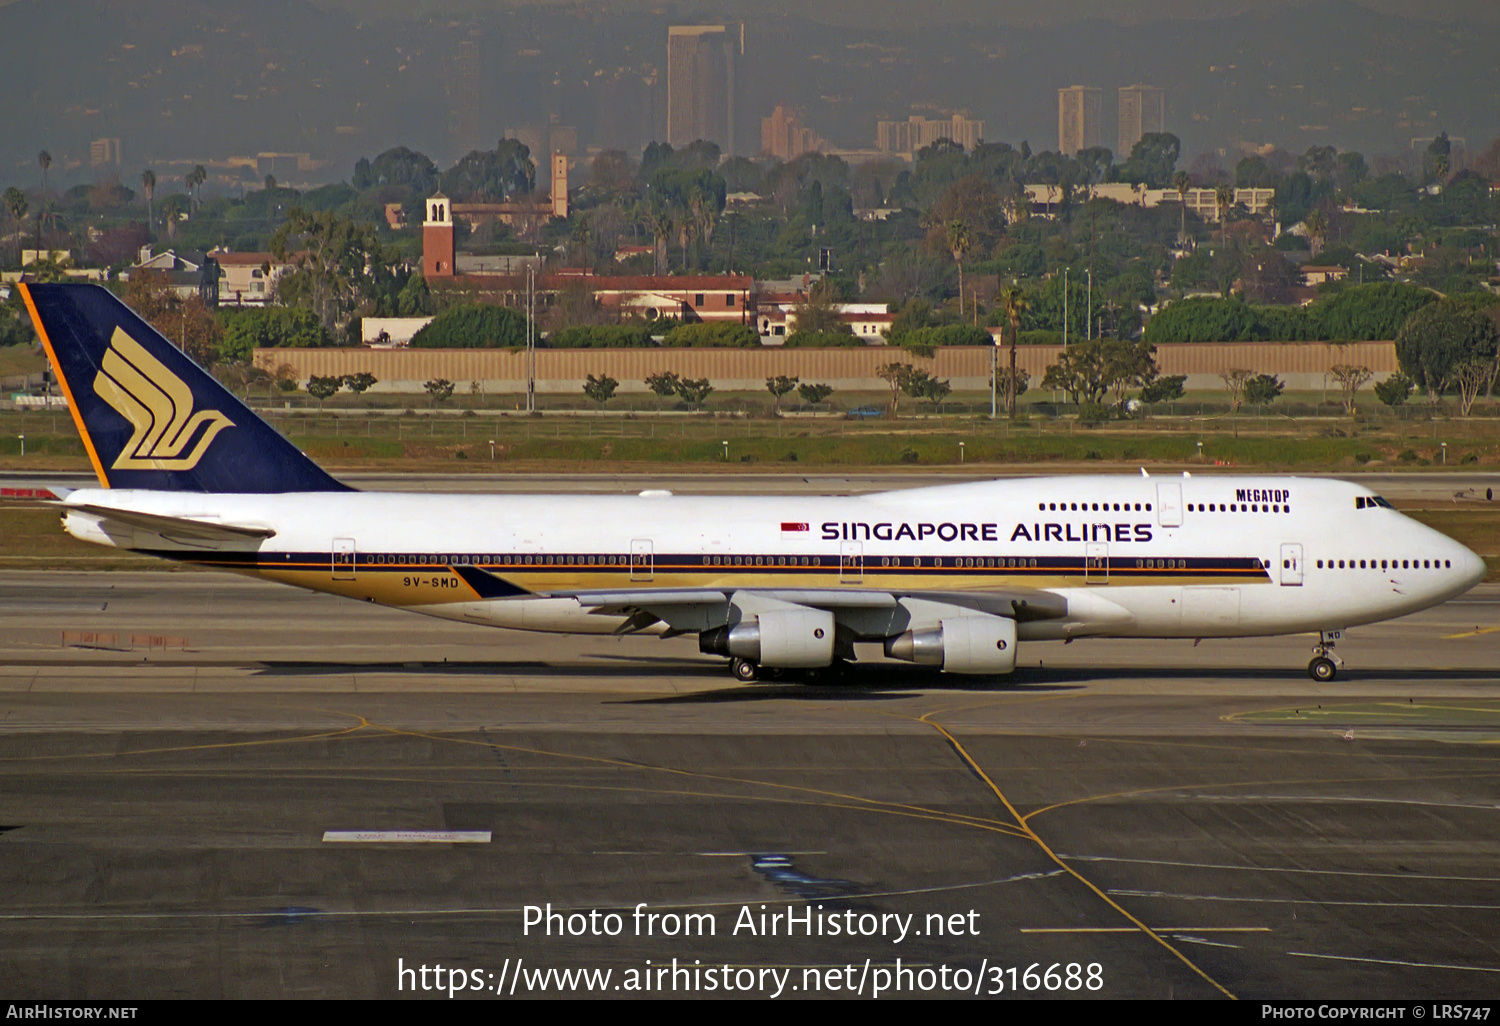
[[1473, 567]]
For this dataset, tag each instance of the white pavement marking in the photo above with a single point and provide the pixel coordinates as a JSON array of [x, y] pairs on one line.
[[1299, 901], [1394, 961], [406, 837]]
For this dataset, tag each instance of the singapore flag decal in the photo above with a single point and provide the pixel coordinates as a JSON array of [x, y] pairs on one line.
[[790, 528]]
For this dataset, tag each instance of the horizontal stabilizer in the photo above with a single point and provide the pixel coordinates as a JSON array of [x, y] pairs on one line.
[[211, 530]]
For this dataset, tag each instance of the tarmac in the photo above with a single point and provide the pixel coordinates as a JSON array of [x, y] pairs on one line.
[[216, 787]]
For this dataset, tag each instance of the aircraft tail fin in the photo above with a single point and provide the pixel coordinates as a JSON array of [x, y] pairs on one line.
[[149, 416]]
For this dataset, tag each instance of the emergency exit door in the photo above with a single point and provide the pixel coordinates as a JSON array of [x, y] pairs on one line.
[[343, 559]]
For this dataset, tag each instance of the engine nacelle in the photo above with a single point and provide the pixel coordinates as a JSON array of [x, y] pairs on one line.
[[784, 638], [962, 644]]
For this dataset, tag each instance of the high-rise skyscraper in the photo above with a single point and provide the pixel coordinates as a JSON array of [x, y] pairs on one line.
[[701, 64], [1143, 111], [469, 133], [1080, 119]]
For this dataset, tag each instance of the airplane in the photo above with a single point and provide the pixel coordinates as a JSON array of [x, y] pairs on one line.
[[952, 576]]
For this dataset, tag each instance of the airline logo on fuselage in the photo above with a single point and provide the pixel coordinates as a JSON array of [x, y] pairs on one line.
[[1262, 494], [860, 531], [159, 406]]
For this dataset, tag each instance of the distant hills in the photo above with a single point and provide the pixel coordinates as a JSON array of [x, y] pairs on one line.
[[207, 79]]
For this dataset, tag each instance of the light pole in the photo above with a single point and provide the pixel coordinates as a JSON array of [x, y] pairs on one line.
[[530, 338], [1090, 273], [994, 373], [1065, 307]]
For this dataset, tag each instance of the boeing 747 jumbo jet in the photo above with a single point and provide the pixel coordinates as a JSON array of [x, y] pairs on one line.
[[951, 576]]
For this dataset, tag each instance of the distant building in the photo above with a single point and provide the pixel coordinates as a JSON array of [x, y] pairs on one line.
[[469, 122], [248, 279], [701, 78], [438, 243], [905, 138], [105, 153], [1143, 111], [784, 136], [548, 138], [1045, 199], [1080, 119]]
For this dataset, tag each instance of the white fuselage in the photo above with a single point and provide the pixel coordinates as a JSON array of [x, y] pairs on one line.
[[1132, 556]]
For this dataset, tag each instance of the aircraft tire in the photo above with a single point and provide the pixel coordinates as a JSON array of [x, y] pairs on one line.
[[746, 671], [1322, 670]]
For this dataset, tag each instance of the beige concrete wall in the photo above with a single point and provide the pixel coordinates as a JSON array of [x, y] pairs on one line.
[[1302, 365]]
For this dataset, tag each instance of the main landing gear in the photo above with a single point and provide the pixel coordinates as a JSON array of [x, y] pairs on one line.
[[1325, 662]]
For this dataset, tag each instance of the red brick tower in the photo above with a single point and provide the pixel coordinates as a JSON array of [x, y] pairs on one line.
[[437, 238]]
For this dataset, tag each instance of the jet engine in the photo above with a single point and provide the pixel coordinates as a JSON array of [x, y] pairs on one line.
[[962, 644], [781, 638]]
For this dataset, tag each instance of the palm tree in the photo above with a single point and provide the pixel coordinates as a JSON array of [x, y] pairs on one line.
[[660, 222], [16, 206], [1014, 302], [148, 184], [1182, 182], [44, 161], [1224, 199], [958, 245], [200, 175], [1317, 227]]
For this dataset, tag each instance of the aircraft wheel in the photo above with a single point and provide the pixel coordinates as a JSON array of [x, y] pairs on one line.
[[1322, 670], [744, 670]]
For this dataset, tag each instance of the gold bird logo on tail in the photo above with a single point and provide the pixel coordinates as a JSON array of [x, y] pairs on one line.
[[159, 406]]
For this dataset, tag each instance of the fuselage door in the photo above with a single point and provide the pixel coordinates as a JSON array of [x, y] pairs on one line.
[[851, 561], [343, 559], [642, 560], [1169, 505], [1096, 563], [1291, 565]]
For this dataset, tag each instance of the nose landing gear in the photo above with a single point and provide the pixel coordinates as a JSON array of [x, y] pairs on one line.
[[1325, 663]]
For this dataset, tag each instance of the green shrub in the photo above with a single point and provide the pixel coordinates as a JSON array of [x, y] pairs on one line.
[[822, 340], [712, 335], [473, 326], [603, 336], [283, 327]]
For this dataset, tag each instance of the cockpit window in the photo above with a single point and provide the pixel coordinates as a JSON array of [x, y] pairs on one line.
[[1371, 502]]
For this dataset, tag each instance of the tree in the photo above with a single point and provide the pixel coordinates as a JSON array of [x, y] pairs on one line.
[[1449, 344], [44, 161], [1394, 390], [600, 389], [958, 245], [1234, 384], [779, 386], [899, 376], [1263, 389], [321, 388], [16, 206], [337, 263], [195, 180], [1164, 389], [473, 326], [663, 384], [272, 327], [1089, 370], [1350, 378], [148, 186], [820, 311], [694, 391], [812, 394], [438, 390], [1014, 304], [1317, 229], [1223, 200], [187, 323], [360, 383], [931, 389], [1182, 182], [270, 183]]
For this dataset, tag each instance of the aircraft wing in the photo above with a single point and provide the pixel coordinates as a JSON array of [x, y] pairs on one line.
[[1020, 604], [174, 527]]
